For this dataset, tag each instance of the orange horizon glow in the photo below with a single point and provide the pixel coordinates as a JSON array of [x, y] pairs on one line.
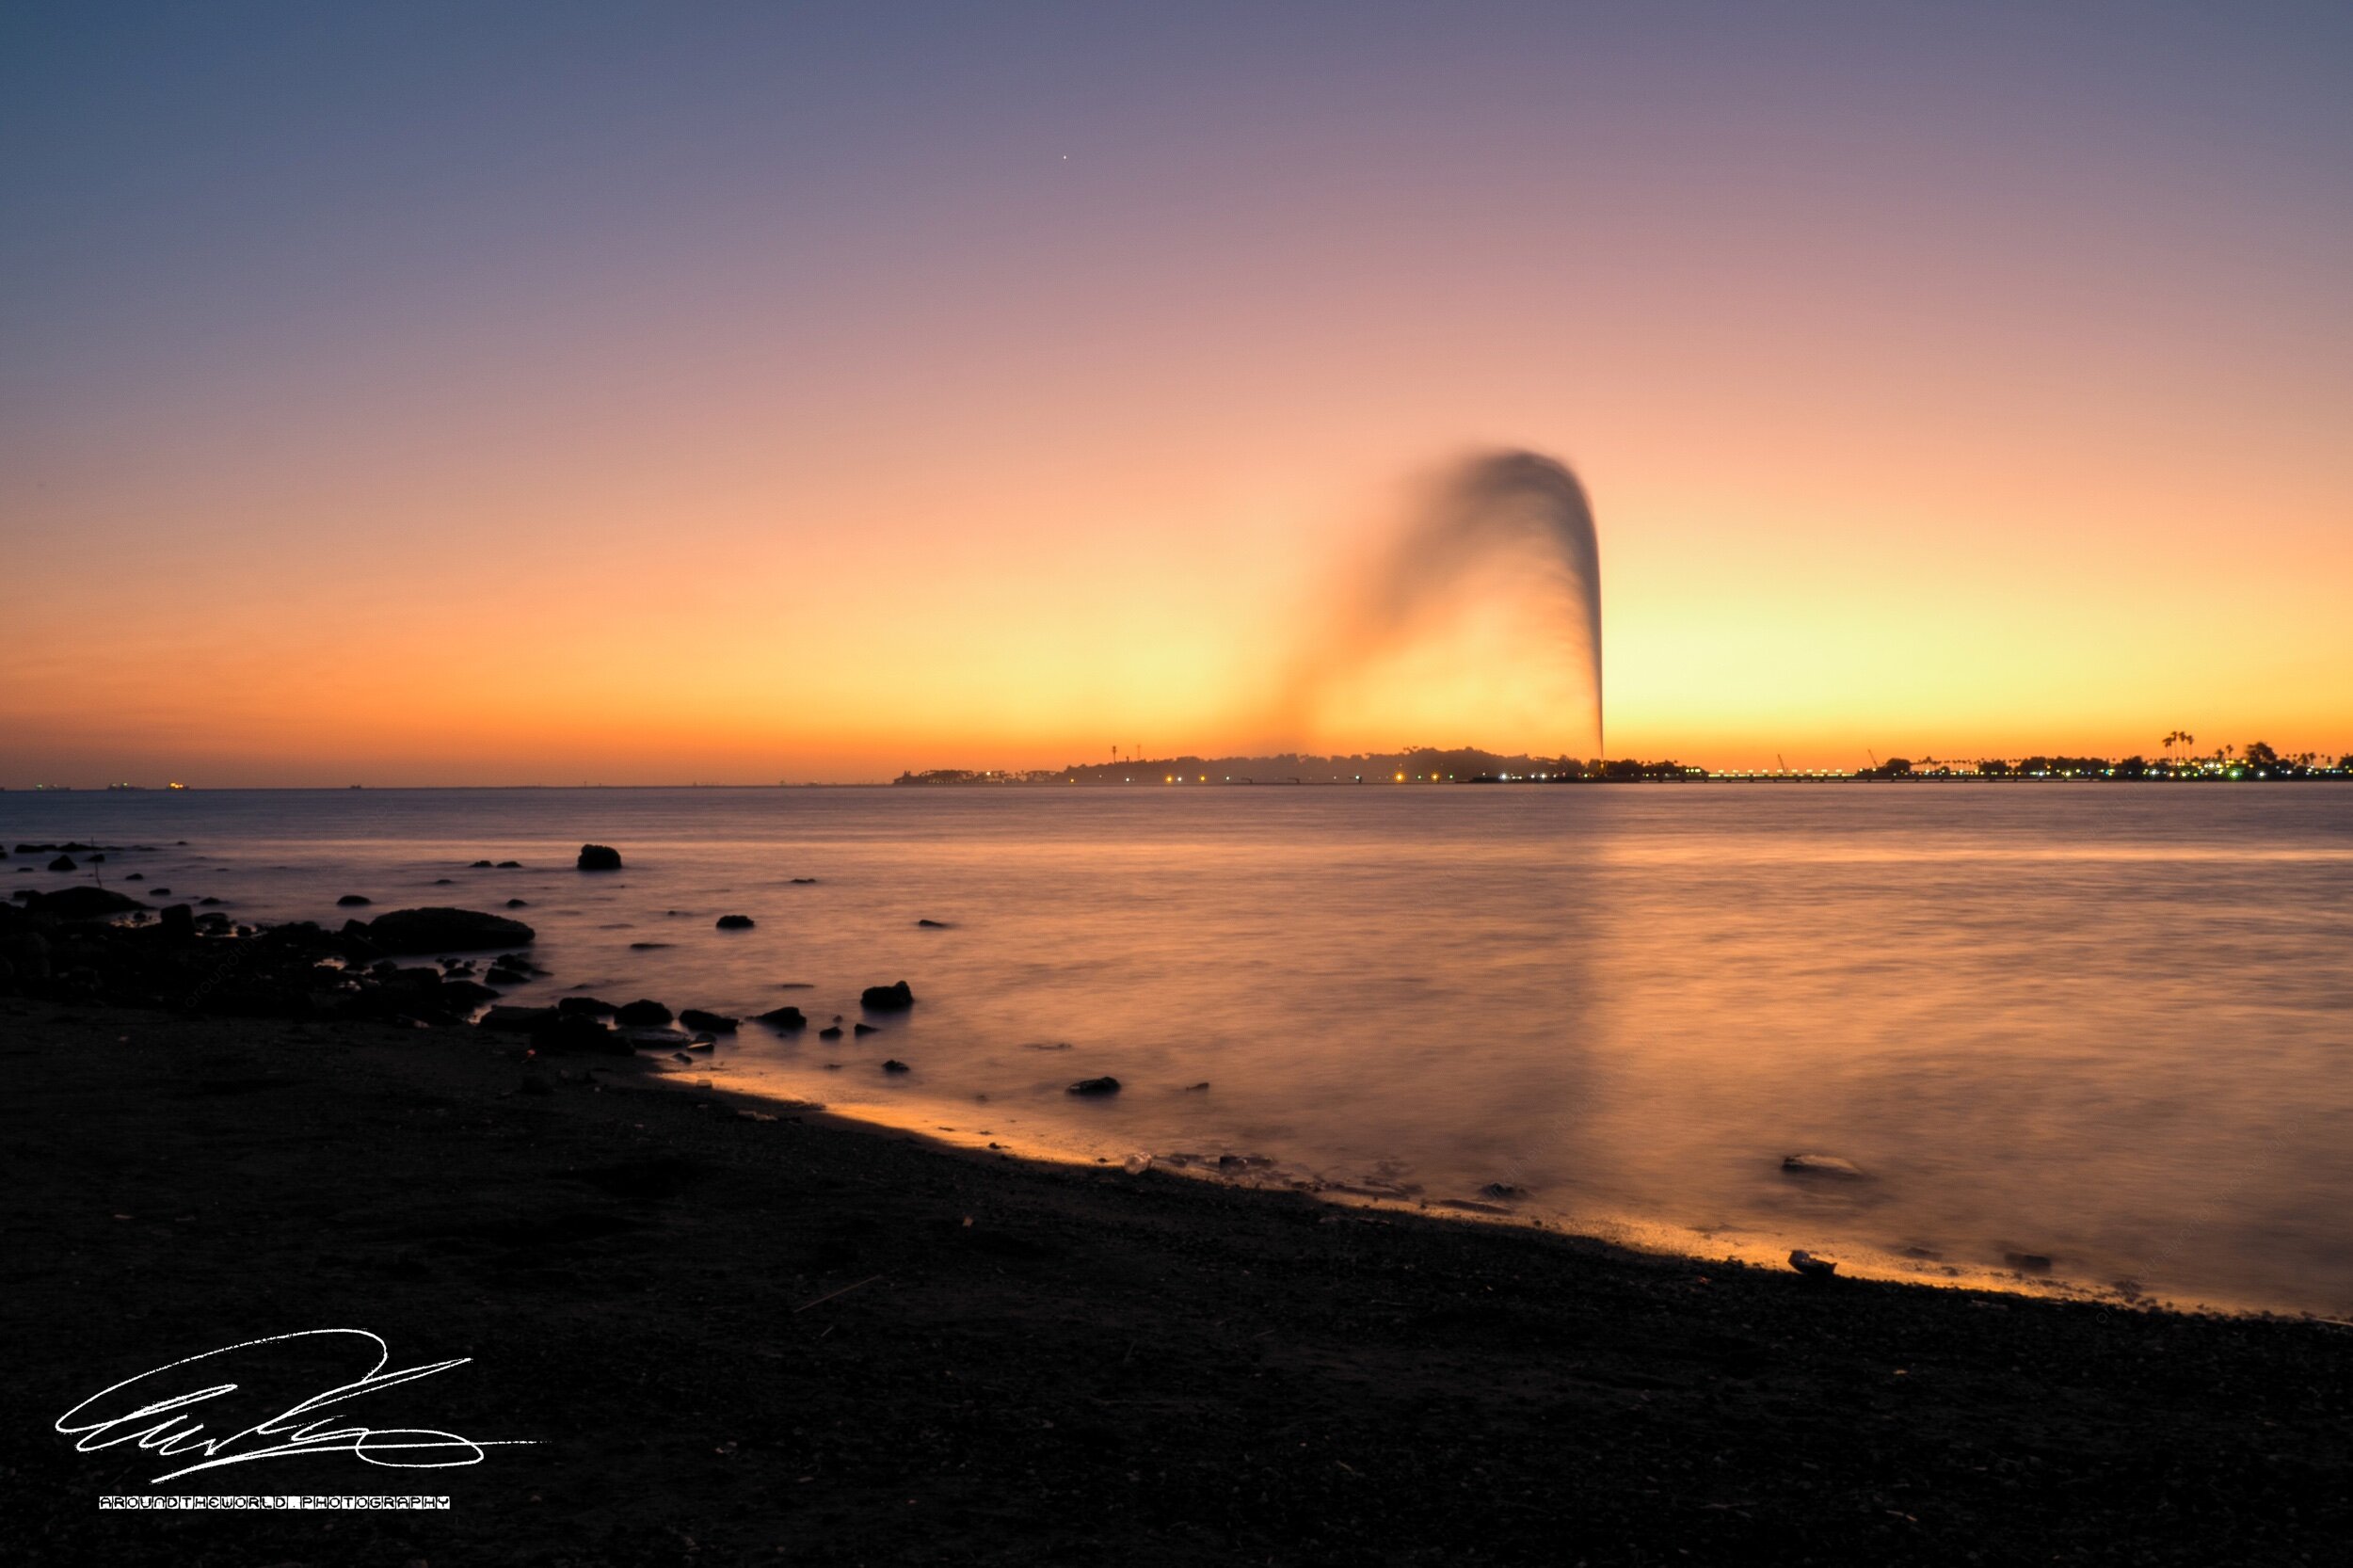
[[1976, 426]]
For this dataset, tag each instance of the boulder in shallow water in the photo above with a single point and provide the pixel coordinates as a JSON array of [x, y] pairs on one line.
[[464, 994], [353, 900], [575, 1034], [718, 1023], [892, 997], [831, 1032], [83, 904], [895, 1065], [600, 857], [783, 1018], [642, 1013], [1104, 1085], [1821, 1166], [62, 863], [439, 930], [1810, 1266], [735, 922]]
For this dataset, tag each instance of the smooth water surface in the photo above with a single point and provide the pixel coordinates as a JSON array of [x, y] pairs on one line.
[[2105, 1024]]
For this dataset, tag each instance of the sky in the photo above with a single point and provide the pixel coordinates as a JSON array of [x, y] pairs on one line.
[[444, 395]]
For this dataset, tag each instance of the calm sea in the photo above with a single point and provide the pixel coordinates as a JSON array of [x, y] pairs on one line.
[[2102, 1024]]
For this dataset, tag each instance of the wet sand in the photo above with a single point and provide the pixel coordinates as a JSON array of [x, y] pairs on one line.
[[797, 1340]]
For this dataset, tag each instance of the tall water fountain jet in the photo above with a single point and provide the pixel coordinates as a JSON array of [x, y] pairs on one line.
[[1482, 505]]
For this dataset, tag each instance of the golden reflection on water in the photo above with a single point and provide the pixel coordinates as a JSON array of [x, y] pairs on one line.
[[2100, 1024]]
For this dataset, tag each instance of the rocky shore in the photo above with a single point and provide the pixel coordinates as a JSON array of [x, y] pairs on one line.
[[735, 1333]]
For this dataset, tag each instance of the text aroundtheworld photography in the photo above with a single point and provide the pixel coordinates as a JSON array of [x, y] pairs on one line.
[[1262, 784]]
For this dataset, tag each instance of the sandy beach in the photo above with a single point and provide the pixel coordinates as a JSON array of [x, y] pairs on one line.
[[732, 1339]]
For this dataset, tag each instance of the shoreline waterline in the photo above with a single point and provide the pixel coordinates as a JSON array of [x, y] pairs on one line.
[[2093, 1029]]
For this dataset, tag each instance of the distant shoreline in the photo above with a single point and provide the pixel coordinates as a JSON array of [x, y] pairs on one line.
[[2329, 775]]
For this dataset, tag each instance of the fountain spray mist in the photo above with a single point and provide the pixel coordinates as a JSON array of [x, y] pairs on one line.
[[1482, 504]]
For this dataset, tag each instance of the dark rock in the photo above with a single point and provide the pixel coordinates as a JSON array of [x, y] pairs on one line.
[[864, 1029], [646, 947], [894, 1065], [1821, 1166], [519, 1019], [510, 865], [831, 1032], [642, 1013], [2029, 1262], [694, 1017], [464, 996], [588, 1007], [135, 876], [735, 922], [783, 1018], [439, 930], [479, 866], [598, 858], [161, 892], [516, 903], [353, 900], [1810, 1266], [442, 882], [179, 923], [206, 903], [887, 998], [1190, 1088], [83, 902], [803, 881], [1105, 1085], [574, 1035], [62, 863], [26, 954], [934, 925]]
